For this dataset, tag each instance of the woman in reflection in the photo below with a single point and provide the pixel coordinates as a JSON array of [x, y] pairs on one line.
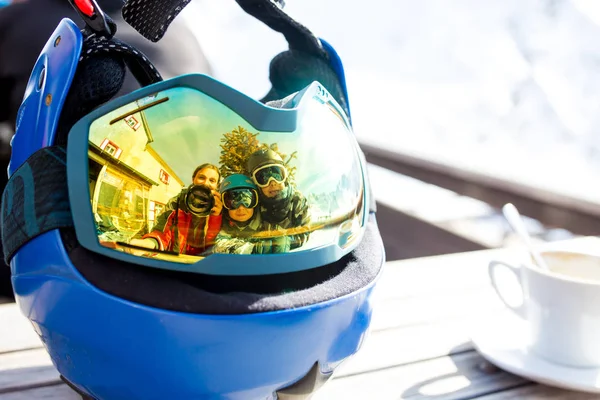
[[204, 175], [189, 229]]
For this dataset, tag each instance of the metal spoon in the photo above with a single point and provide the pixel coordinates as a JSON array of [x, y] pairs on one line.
[[516, 223]]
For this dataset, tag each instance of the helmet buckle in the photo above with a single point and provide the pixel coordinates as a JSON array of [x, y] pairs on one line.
[[97, 22]]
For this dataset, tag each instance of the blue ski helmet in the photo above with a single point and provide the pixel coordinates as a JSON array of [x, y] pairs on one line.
[[122, 283], [237, 181]]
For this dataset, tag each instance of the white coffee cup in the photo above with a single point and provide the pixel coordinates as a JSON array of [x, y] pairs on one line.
[[561, 306]]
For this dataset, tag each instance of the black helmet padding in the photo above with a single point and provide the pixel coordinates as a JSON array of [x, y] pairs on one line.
[[211, 294]]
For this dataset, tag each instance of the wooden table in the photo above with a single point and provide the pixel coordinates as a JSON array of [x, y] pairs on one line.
[[419, 346]]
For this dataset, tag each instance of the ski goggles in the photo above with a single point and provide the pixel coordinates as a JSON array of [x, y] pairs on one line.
[[235, 198], [263, 176], [131, 161]]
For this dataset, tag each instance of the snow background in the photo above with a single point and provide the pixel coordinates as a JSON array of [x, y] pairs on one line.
[[508, 88]]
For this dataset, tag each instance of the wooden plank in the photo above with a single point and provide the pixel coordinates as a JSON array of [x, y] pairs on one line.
[[438, 275], [335, 390], [460, 376], [394, 313], [16, 332], [427, 385], [54, 392], [540, 392], [26, 369], [425, 290], [551, 208], [394, 347]]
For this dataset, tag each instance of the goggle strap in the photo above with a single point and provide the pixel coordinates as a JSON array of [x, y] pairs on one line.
[[151, 18], [99, 77], [140, 66], [281, 166], [298, 36], [98, 34], [306, 61], [35, 200]]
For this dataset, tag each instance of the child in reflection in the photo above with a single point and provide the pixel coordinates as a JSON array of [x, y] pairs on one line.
[[281, 205], [184, 231], [243, 230], [241, 221]]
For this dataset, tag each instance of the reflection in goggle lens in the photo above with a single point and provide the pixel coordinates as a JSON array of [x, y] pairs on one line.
[[233, 199], [199, 200], [145, 156], [263, 175]]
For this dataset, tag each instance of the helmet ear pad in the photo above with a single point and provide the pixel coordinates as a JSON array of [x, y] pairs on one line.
[[97, 80]]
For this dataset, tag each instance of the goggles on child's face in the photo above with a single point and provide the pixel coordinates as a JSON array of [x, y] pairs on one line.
[[235, 198]]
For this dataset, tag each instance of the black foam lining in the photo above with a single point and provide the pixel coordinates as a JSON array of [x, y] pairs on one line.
[[210, 294], [97, 80]]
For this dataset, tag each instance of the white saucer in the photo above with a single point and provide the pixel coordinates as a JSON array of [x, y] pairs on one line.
[[501, 341]]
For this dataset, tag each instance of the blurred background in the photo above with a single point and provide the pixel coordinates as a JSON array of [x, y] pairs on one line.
[[459, 106]]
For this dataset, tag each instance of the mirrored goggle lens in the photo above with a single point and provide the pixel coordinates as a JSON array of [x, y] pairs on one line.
[[199, 200], [155, 166], [264, 175], [233, 199]]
